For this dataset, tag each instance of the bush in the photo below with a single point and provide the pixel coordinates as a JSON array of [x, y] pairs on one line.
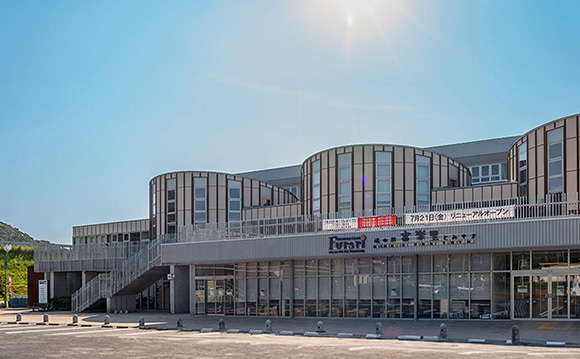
[[60, 304]]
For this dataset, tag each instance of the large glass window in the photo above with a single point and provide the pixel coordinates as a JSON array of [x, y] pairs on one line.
[[555, 161], [383, 178], [153, 211], [488, 173], [523, 169], [199, 200], [234, 200], [501, 295], [423, 181], [453, 176], [171, 214], [344, 182], [316, 187], [265, 196]]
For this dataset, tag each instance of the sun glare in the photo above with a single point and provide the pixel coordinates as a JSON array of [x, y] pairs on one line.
[[354, 9], [357, 24]]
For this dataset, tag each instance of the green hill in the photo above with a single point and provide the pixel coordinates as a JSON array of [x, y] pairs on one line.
[[19, 258], [11, 234]]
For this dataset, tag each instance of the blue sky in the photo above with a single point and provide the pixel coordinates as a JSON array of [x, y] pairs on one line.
[[96, 98]]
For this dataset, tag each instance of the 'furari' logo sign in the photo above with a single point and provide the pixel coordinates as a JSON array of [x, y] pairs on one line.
[[347, 244]]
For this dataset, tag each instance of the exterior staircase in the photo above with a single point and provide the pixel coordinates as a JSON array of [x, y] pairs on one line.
[[131, 276]]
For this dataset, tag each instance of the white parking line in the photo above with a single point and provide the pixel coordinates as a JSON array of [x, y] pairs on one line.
[[102, 330], [43, 329], [21, 327], [148, 332]]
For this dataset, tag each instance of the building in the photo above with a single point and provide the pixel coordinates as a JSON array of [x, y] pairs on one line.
[[485, 230]]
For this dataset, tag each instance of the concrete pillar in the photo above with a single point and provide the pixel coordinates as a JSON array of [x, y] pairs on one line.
[[74, 281], [172, 291], [292, 289], [51, 285], [179, 289], [192, 288], [83, 278]]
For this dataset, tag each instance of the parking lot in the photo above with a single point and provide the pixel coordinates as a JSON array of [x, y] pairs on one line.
[[63, 341]]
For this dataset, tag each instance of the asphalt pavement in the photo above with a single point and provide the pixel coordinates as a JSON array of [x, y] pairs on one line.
[[546, 333]]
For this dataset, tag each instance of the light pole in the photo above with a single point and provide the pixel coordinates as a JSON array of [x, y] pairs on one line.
[[7, 248]]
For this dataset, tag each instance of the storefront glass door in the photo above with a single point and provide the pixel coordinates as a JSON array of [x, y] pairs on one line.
[[540, 297], [545, 295], [521, 295]]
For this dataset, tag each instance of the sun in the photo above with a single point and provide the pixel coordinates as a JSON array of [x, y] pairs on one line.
[[356, 9]]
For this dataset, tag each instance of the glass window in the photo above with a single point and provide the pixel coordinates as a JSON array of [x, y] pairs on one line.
[[440, 263], [459, 262], [408, 263], [234, 200], [423, 180], [425, 291], [523, 169], [521, 260], [365, 265], [265, 196], [480, 296], [394, 264], [453, 176], [424, 263], [199, 199], [575, 259], [549, 260], [481, 262], [379, 266], [344, 181], [199, 206], [555, 161], [383, 180], [489, 173], [501, 295], [316, 187], [338, 266], [501, 261]]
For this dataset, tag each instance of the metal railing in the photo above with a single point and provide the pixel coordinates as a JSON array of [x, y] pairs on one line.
[[102, 256], [136, 266], [521, 208], [105, 285], [97, 288]]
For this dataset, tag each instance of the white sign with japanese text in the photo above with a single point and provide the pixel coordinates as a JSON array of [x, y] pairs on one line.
[[460, 215], [341, 223], [43, 291]]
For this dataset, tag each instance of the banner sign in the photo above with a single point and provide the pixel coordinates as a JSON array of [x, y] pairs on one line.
[[360, 222], [341, 223], [460, 215], [377, 221], [43, 291]]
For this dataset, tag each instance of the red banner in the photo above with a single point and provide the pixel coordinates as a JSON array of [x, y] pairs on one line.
[[377, 221]]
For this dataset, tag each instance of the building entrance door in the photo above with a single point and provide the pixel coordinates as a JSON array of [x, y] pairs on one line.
[[542, 295]]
